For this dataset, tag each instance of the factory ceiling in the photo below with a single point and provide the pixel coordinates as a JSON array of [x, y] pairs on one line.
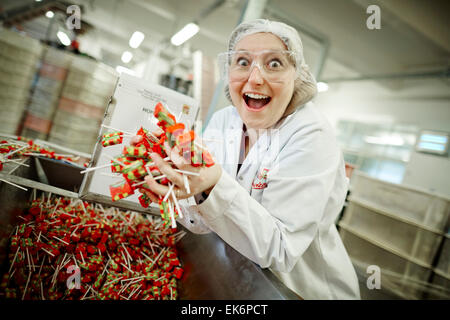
[[414, 34]]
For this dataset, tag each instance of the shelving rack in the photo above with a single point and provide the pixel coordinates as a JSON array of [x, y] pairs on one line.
[[403, 230]]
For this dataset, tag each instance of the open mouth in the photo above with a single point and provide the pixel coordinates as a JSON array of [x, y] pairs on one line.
[[256, 102]]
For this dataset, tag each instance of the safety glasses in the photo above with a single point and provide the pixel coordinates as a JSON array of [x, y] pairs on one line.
[[274, 65]]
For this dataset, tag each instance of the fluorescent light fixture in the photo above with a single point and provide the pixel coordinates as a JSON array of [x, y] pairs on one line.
[[429, 146], [64, 38], [433, 142], [322, 86], [136, 39], [127, 56], [434, 138], [184, 34], [121, 69], [385, 140], [49, 14]]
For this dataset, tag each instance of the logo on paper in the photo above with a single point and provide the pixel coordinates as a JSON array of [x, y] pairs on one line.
[[260, 181], [186, 109]]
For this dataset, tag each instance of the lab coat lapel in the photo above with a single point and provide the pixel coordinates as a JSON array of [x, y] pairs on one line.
[[262, 155], [253, 161], [232, 144]]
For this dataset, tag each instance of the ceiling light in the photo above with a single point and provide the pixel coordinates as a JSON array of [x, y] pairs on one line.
[[434, 138], [322, 86], [38, 0], [49, 14], [433, 142], [184, 34], [64, 38], [127, 56], [136, 39], [121, 69]]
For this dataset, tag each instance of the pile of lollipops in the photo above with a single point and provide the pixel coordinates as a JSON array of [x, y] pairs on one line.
[[70, 249]]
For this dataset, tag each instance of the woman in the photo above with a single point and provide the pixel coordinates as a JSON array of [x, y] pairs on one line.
[[279, 180]]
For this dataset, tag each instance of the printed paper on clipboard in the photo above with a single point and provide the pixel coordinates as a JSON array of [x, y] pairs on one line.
[[131, 107]]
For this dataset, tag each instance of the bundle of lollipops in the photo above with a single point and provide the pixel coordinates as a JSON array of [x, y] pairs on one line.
[[135, 162]]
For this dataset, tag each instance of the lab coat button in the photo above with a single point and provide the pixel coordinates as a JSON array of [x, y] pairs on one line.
[[241, 178]]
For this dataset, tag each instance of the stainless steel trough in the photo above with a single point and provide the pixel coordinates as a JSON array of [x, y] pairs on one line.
[[213, 270]]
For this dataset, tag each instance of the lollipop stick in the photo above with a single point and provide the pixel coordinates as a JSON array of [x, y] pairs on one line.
[[187, 172], [172, 216], [19, 163], [186, 184], [168, 192], [160, 177], [95, 168], [176, 205]]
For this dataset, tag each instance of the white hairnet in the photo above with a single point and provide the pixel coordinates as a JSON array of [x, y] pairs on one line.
[[287, 34]]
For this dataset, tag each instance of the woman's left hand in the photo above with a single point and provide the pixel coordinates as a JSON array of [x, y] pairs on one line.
[[204, 181]]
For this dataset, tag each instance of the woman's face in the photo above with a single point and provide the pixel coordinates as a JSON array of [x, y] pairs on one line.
[[261, 113]]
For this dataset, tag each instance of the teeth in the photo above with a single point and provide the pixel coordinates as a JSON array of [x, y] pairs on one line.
[[256, 96]]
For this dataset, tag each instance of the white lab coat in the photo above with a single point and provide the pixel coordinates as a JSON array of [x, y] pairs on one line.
[[280, 209]]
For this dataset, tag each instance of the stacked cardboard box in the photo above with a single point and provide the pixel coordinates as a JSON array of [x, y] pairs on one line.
[[46, 93], [84, 97], [19, 56]]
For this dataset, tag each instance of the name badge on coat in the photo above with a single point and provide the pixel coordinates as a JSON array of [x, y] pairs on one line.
[[260, 181]]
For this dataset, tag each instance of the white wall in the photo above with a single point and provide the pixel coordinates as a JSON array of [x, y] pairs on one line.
[[421, 171], [424, 103]]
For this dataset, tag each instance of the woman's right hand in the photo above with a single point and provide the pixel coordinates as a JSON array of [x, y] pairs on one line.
[[204, 182], [135, 140]]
